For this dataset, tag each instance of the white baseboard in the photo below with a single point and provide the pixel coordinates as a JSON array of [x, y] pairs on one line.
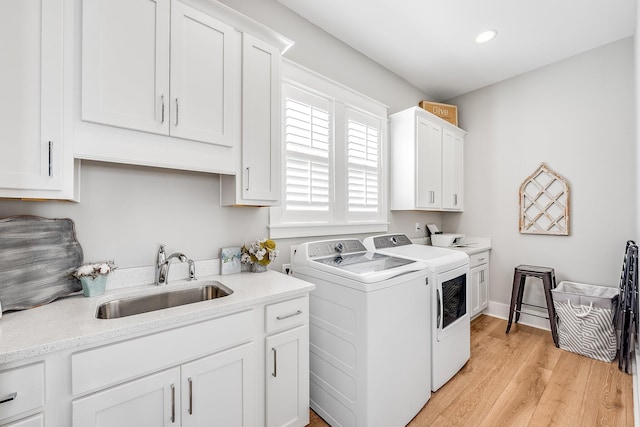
[[501, 311]]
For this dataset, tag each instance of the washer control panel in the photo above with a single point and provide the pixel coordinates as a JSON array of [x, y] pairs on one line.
[[391, 241], [334, 247]]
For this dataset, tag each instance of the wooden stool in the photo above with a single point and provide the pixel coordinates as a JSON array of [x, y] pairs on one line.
[[548, 280]]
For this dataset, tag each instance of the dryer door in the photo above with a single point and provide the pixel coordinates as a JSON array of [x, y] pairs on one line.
[[451, 301]]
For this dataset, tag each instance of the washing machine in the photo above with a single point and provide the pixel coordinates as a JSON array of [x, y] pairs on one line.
[[367, 343], [450, 323]]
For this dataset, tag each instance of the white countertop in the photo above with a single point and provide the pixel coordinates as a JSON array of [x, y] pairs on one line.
[[70, 322], [473, 245]]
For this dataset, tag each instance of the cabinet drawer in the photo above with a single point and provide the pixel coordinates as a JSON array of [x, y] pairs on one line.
[[478, 259], [21, 390], [286, 314], [35, 421], [109, 365]]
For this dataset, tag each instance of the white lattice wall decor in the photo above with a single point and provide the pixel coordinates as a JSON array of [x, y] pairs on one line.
[[544, 203]]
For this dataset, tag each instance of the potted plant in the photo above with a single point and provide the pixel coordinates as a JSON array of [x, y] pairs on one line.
[[259, 254], [93, 277]]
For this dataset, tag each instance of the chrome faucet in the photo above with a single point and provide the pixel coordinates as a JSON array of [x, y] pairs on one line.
[[163, 262]]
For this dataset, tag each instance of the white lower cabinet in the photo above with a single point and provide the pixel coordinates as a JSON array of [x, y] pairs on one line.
[[287, 363], [217, 390], [35, 421], [213, 391], [22, 391], [150, 401], [288, 378], [479, 272], [243, 368]]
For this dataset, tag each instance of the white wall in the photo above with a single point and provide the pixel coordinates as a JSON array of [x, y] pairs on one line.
[[126, 212], [577, 116], [323, 53]]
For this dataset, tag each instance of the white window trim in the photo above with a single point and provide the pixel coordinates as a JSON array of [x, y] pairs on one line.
[[297, 75]]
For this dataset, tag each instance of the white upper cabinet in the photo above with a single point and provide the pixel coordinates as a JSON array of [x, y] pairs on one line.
[[36, 160], [258, 180], [427, 162], [428, 148], [452, 170], [203, 53], [160, 67], [125, 63], [190, 85]]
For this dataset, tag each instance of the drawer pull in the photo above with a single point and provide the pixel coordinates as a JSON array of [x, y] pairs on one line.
[[480, 259], [289, 315], [9, 398]]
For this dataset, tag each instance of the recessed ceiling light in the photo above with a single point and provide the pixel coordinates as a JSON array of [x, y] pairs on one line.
[[486, 36]]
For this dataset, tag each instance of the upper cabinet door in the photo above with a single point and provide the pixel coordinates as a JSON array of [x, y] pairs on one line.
[[125, 63], [429, 165], [31, 83], [260, 120], [452, 171], [204, 76]]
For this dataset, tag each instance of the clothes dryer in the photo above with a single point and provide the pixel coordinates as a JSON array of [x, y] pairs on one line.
[[449, 326]]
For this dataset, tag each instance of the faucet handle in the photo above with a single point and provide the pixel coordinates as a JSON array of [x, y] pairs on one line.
[[161, 256], [192, 270]]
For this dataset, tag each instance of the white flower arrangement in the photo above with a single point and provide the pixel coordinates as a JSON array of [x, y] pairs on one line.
[[259, 252], [94, 270]]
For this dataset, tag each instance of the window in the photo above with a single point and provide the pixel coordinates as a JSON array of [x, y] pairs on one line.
[[334, 148]]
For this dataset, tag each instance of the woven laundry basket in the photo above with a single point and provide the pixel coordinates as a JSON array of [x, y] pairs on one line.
[[586, 316]]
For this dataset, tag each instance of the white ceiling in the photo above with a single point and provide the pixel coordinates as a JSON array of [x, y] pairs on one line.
[[430, 43]]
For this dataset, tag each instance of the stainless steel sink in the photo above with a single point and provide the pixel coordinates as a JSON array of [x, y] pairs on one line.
[[143, 304]]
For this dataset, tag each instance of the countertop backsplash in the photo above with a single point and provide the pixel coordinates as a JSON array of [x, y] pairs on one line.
[[145, 275]]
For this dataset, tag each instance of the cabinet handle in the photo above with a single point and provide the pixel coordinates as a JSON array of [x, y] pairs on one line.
[[247, 178], [8, 398], [480, 259], [162, 109], [177, 111], [289, 315], [432, 196], [50, 159], [190, 396], [455, 200], [275, 362], [173, 403]]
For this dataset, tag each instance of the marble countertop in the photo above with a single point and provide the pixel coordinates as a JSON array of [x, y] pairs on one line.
[[70, 322]]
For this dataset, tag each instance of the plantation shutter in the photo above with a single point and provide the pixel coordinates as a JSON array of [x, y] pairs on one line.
[[307, 181], [363, 139]]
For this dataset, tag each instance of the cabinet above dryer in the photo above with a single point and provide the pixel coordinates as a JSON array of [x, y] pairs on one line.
[[427, 162]]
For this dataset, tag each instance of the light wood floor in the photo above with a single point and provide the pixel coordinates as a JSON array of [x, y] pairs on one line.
[[522, 379]]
